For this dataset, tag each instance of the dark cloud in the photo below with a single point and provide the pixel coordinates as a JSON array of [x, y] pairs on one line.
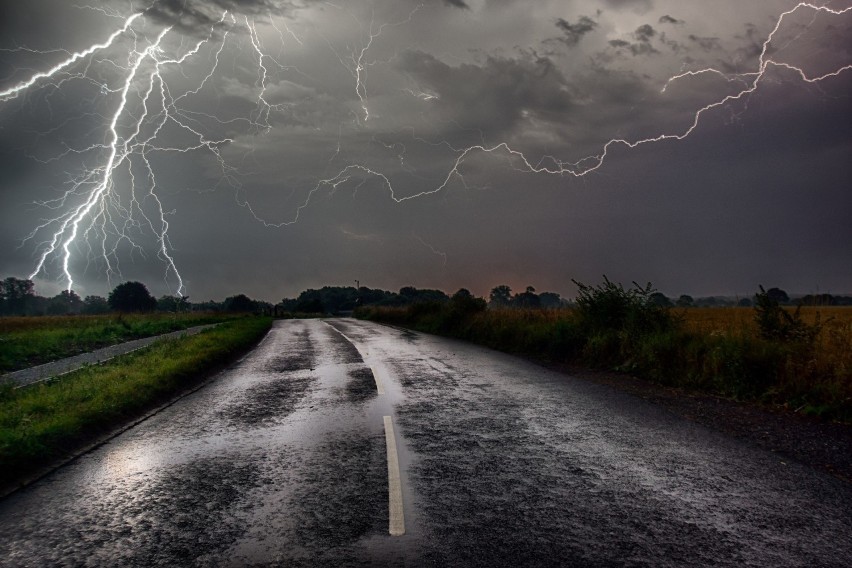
[[575, 32], [705, 43], [669, 20], [192, 16], [458, 4], [644, 33], [642, 46]]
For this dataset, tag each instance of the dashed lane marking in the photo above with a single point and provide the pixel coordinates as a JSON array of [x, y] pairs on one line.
[[396, 525], [380, 387]]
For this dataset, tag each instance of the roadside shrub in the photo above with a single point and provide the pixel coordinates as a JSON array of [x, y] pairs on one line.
[[744, 368], [767, 353], [608, 306], [602, 349], [777, 324], [566, 339], [464, 303]]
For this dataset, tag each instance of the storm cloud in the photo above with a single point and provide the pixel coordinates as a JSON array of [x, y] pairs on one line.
[[439, 144], [573, 33]]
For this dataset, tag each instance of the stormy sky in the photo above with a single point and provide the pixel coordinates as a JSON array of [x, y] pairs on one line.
[[266, 146]]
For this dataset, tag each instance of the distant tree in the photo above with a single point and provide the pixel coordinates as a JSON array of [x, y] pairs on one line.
[[64, 303], [410, 295], [818, 300], [550, 300], [131, 297], [685, 301], [463, 302], [374, 296], [778, 295], [462, 294], [500, 296], [660, 299], [208, 306], [36, 305], [94, 305], [15, 295], [310, 302], [408, 292], [239, 303], [173, 304], [527, 299], [745, 303]]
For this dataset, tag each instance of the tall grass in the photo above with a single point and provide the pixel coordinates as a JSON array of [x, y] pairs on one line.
[[28, 341], [40, 423], [714, 350]]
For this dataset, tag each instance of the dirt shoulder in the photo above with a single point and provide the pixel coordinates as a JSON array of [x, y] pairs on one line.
[[825, 446]]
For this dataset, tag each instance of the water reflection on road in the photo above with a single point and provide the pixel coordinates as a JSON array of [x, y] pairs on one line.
[[281, 460]]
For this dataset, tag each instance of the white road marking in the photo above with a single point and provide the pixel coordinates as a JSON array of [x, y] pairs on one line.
[[344, 337], [396, 526], [379, 385]]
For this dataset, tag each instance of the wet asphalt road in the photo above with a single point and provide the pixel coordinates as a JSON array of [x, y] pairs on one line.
[[282, 461]]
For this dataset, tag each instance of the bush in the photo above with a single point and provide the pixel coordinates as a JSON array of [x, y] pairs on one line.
[[609, 306], [777, 324], [623, 329]]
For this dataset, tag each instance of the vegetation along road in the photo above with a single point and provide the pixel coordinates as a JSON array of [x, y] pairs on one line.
[[341, 442]]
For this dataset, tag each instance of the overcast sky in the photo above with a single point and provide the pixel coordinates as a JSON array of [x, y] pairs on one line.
[[265, 147]]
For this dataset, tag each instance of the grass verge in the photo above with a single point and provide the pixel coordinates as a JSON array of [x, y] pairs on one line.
[[48, 421], [29, 341]]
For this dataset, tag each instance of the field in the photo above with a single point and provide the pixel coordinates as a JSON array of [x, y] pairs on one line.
[[40, 423], [830, 359], [29, 341], [714, 350]]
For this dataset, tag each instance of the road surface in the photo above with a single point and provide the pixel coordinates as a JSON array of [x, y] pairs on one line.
[[283, 460]]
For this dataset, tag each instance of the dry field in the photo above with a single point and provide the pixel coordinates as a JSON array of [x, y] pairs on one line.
[[833, 349]]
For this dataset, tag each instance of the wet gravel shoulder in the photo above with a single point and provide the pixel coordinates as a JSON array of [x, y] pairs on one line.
[[824, 446]]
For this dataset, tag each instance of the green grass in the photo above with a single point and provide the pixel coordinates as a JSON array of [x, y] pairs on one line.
[[42, 423], [29, 341]]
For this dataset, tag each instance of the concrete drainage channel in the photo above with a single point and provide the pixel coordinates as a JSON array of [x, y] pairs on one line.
[[54, 369]]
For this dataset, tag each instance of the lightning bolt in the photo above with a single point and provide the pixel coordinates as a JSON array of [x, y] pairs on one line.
[[357, 64], [430, 247], [13, 92], [591, 163], [106, 205], [106, 211]]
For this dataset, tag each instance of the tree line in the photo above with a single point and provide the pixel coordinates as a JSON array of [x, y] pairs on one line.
[[18, 298]]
